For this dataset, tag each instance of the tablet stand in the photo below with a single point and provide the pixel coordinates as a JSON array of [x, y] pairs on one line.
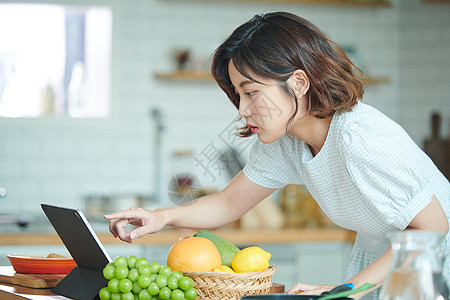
[[81, 284]]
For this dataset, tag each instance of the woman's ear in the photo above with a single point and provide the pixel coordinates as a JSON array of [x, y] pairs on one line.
[[299, 83]]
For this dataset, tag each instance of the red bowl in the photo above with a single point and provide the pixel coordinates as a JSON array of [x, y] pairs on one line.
[[40, 264]]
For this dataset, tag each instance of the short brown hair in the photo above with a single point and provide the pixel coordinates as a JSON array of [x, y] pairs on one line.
[[276, 44]]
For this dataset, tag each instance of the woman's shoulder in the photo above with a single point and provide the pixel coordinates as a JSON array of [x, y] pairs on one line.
[[364, 117]]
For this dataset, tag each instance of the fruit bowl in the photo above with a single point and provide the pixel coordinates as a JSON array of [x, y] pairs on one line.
[[41, 264], [231, 286]]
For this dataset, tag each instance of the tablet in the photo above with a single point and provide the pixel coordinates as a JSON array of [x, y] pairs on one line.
[[77, 235]]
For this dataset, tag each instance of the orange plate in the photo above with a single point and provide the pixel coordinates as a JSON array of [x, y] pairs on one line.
[[40, 264]]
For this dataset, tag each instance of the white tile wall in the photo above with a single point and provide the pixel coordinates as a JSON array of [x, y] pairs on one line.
[[424, 59], [60, 161]]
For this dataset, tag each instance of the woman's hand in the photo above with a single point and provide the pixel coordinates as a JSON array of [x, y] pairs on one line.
[[309, 289], [146, 221]]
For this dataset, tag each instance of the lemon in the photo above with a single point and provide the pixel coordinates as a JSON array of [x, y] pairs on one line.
[[223, 268], [251, 259]]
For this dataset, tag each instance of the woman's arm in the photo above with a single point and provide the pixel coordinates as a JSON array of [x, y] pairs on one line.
[[210, 211], [431, 218]]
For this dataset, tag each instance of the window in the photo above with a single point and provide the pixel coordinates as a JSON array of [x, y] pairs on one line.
[[55, 60]]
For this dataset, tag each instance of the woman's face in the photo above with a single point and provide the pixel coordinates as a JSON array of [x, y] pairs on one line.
[[265, 106]]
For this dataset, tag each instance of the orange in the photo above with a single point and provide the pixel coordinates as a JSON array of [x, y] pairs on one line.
[[194, 254]]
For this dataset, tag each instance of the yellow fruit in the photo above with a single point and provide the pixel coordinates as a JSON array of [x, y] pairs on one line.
[[251, 259], [194, 254], [223, 268]]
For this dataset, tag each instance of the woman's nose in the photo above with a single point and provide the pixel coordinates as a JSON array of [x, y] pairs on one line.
[[244, 111]]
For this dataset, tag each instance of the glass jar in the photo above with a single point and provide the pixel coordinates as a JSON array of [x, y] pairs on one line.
[[416, 269]]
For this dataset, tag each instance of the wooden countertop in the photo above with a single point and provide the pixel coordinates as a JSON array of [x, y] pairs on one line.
[[170, 236], [17, 292]]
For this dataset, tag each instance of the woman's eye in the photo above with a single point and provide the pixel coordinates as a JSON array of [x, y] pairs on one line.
[[250, 93]]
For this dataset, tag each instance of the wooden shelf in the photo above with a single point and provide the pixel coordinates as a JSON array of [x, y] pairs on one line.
[[185, 75], [204, 76], [358, 3], [377, 80]]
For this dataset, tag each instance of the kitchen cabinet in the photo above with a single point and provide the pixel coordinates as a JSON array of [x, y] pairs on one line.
[[309, 262], [300, 255]]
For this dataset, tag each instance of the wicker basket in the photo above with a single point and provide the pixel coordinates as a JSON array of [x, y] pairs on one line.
[[231, 286]]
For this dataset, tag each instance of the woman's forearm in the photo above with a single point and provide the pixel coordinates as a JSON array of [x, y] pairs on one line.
[[218, 209], [207, 212], [375, 273], [431, 218]]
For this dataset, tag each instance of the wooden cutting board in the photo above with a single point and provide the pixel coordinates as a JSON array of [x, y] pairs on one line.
[[40, 281], [277, 288]]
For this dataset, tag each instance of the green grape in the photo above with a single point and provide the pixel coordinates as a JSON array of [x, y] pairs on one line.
[[121, 272], [120, 261], [176, 274], [141, 262], [104, 294], [161, 281], [144, 270], [108, 272], [153, 277], [131, 261], [186, 283], [136, 288], [110, 264], [144, 295], [116, 296], [144, 281], [153, 289], [190, 294], [125, 285], [164, 293], [154, 267], [133, 275], [113, 285], [172, 283], [165, 270], [127, 296], [177, 295]]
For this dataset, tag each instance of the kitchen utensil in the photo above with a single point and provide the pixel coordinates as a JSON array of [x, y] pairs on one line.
[[436, 147], [8, 275], [416, 269], [338, 293], [40, 264]]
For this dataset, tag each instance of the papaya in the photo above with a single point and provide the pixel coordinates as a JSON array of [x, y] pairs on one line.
[[226, 248]]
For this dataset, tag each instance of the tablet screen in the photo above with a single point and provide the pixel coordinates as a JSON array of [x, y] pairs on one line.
[[77, 235]]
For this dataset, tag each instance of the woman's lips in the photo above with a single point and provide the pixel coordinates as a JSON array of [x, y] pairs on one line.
[[253, 129]]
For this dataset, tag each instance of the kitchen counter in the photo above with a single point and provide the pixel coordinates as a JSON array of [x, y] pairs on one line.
[[17, 292], [300, 254], [170, 236], [10, 291]]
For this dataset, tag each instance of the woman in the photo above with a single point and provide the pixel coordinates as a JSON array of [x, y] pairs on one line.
[[298, 92]]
